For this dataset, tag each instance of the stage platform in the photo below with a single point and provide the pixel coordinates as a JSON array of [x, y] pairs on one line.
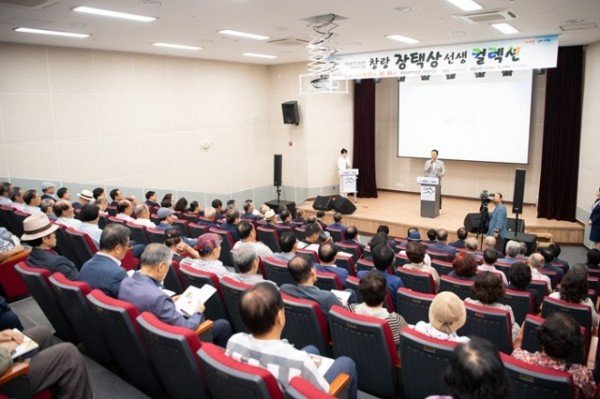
[[402, 210]]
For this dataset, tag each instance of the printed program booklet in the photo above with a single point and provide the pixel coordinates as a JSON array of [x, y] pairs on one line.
[[191, 298]]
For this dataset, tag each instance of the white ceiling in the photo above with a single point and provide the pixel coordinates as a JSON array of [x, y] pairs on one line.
[[196, 22]]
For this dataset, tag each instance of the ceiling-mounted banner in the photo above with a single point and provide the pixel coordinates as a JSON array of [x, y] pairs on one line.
[[514, 54]]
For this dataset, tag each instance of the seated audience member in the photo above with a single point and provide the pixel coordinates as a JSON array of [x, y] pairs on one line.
[[90, 216], [142, 213], [520, 278], [490, 256], [247, 234], [548, 254], [513, 248], [102, 203], [447, 314], [441, 245], [103, 270], [249, 211], [246, 260], [352, 237], [32, 202], [210, 217], [124, 211], [289, 246], [320, 216], [385, 232], [490, 242], [5, 189], [46, 206], [255, 211], [209, 248], [312, 219], [327, 254], [415, 237], [415, 251], [593, 258], [383, 259], [488, 289], [151, 198], [377, 240], [300, 216], [461, 234], [178, 248], [304, 274], [231, 220], [144, 290], [84, 198], [8, 319], [270, 217], [194, 208], [231, 204], [557, 250], [40, 234], [181, 205], [337, 222], [63, 193], [167, 201], [65, 214], [476, 371], [261, 309], [49, 191], [373, 289], [471, 244], [431, 237], [60, 367], [116, 196], [560, 336], [97, 193], [536, 262], [412, 234], [218, 205], [574, 289], [16, 198], [313, 234], [9, 245], [286, 218], [166, 217], [464, 267]]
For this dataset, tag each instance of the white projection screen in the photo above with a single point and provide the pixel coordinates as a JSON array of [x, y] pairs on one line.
[[467, 118]]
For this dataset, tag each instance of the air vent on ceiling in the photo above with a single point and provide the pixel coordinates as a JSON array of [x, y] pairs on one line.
[[486, 17], [37, 4], [289, 41], [579, 26]]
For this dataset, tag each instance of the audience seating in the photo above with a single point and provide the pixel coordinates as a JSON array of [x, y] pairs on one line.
[[232, 290], [11, 283], [489, 323], [352, 284], [424, 361], [182, 225], [540, 287], [173, 278], [305, 324], [443, 268], [353, 249], [521, 303], [173, 353], [345, 261], [328, 281], [71, 296], [215, 308], [114, 219], [400, 260], [190, 217], [369, 342], [364, 264], [138, 233], [196, 230], [442, 256], [504, 268], [269, 236], [413, 305], [462, 288], [300, 388], [535, 382], [337, 234], [64, 246], [300, 233], [416, 280], [276, 270], [117, 320], [14, 383], [553, 277], [82, 244], [226, 245], [581, 313], [228, 378], [531, 344], [19, 216], [311, 254], [111, 210], [36, 280], [155, 235]]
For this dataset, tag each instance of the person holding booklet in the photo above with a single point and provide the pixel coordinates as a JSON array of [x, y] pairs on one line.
[[144, 290], [262, 311]]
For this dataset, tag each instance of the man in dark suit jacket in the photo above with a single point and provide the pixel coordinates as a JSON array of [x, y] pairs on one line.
[[461, 234], [104, 270], [352, 237], [337, 222], [151, 199], [232, 219], [249, 211], [441, 244], [548, 254]]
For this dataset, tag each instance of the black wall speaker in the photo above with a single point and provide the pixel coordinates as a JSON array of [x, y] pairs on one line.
[[277, 170], [519, 191], [323, 203], [343, 205], [290, 112]]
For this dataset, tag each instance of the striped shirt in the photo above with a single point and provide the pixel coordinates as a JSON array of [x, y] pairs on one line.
[[211, 266]]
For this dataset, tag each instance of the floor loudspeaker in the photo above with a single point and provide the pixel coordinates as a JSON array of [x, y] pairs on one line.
[[471, 222], [343, 205], [323, 203]]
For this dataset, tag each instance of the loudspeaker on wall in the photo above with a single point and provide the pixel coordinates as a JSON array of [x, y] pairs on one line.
[[290, 112]]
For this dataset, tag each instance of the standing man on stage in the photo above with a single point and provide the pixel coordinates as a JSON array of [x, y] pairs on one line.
[[343, 163], [498, 222], [435, 168]]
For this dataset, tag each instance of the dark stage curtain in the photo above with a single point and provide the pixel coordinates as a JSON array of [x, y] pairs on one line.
[[364, 137], [562, 132]]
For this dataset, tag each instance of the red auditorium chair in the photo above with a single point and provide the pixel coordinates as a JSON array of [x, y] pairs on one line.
[[117, 320], [71, 296], [345, 261], [232, 290], [269, 237], [173, 353], [367, 253], [283, 228], [215, 308], [36, 280], [489, 323], [173, 278], [10, 280], [226, 245], [300, 233], [82, 244], [111, 210], [19, 216], [305, 324], [276, 270], [8, 220], [369, 342], [400, 260], [328, 281], [553, 277], [504, 268], [300, 388], [364, 264], [353, 249], [64, 246], [416, 280], [531, 344], [443, 256], [138, 233], [155, 235], [114, 219], [352, 283], [521, 303], [423, 354], [196, 230], [337, 234], [540, 287], [535, 382], [581, 313], [413, 305], [182, 225], [310, 253], [15, 384], [462, 288], [443, 268]]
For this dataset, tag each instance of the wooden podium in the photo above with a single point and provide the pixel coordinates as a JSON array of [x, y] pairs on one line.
[[430, 196]]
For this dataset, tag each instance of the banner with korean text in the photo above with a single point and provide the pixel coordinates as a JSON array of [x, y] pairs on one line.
[[514, 54]]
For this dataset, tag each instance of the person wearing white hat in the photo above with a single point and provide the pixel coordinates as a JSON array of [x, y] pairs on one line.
[[85, 197], [40, 234], [48, 190]]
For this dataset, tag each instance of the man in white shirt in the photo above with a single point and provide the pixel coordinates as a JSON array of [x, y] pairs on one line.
[[125, 210], [247, 234], [536, 263], [90, 215], [16, 196], [142, 212], [65, 214], [261, 309], [32, 202], [344, 163], [435, 168]]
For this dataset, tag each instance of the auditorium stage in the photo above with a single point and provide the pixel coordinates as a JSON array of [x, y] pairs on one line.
[[402, 210]]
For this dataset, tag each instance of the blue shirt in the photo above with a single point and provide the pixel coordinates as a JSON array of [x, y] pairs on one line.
[[393, 282], [146, 294], [339, 271], [498, 221], [104, 273], [440, 247]]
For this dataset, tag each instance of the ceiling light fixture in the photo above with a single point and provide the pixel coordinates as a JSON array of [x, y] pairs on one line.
[[466, 5], [255, 55], [113, 14], [403, 39], [505, 28], [177, 46], [245, 35], [52, 33]]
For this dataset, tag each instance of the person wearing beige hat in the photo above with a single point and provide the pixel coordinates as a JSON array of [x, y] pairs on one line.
[[40, 234], [270, 216], [447, 314], [84, 197]]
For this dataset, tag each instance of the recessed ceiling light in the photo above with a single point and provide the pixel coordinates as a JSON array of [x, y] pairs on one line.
[[245, 35], [466, 5], [574, 21], [505, 28], [177, 46], [52, 33], [403, 39], [113, 14], [270, 57], [406, 9]]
